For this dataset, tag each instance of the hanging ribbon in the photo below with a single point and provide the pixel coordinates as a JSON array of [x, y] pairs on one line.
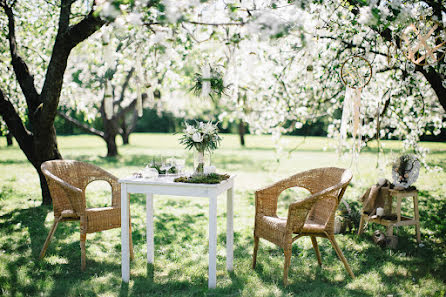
[[346, 112], [108, 101], [235, 77], [351, 113], [206, 83], [108, 55], [356, 133], [138, 84]]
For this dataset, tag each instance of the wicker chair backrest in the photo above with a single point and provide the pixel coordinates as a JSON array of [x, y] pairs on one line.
[[323, 211], [75, 173]]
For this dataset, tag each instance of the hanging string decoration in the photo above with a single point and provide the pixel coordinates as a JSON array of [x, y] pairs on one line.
[[391, 54], [423, 44], [138, 79], [108, 101], [206, 76], [108, 61], [356, 73]]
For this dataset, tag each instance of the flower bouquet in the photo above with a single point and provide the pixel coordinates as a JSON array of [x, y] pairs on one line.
[[203, 137]]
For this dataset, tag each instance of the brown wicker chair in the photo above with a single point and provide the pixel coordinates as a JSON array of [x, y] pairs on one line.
[[67, 181], [313, 216]]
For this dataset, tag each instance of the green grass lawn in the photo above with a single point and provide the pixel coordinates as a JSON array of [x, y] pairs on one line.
[[181, 224]]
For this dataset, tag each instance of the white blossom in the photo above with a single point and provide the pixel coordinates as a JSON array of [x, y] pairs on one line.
[[197, 137]]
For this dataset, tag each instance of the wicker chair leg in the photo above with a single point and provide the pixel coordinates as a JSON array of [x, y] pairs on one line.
[[286, 265], [254, 254], [48, 238], [316, 249], [340, 254], [132, 256], [83, 254]]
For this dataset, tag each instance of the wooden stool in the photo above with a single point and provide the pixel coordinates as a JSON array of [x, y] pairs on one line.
[[400, 220]]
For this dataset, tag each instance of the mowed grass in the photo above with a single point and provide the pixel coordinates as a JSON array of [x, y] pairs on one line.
[[181, 226]]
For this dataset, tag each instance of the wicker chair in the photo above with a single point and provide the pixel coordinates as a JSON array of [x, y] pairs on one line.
[[67, 181], [313, 216]]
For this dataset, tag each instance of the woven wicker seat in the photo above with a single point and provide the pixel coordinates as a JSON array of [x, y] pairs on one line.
[[67, 181], [313, 216]]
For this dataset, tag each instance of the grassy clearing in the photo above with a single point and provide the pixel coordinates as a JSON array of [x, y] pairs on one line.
[[181, 229]]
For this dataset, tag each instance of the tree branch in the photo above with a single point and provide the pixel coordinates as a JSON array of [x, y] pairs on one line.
[[352, 45], [81, 125], [24, 77], [126, 84], [215, 24], [64, 19], [66, 40], [84, 29], [387, 69], [15, 126], [436, 82], [132, 105]]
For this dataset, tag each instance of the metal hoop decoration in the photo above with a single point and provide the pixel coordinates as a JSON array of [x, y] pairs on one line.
[[344, 73], [414, 53]]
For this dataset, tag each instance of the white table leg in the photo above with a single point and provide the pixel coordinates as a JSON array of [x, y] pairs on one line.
[[149, 222], [229, 229], [212, 242], [125, 255]]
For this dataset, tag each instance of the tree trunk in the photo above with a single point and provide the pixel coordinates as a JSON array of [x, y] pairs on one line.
[[36, 150], [125, 134], [112, 148], [111, 130], [9, 139], [435, 80], [241, 132], [45, 149], [125, 138], [128, 128], [46, 196], [40, 143]]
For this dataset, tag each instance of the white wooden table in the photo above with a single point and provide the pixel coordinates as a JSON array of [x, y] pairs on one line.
[[166, 186]]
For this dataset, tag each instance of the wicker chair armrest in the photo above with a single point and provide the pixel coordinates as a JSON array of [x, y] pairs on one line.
[[75, 195], [298, 211], [66, 186]]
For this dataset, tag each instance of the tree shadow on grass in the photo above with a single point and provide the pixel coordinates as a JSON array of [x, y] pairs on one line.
[[13, 161], [65, 278], [24, 255]]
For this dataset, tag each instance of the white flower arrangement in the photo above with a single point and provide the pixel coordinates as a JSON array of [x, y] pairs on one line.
[[202, 136]]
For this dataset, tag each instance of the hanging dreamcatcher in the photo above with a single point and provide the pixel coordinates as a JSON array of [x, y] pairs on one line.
[[423, 43], [356, 73]]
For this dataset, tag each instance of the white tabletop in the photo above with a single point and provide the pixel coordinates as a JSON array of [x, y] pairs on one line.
[[165, 179]]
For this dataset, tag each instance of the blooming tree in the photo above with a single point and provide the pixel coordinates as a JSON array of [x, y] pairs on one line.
[[36, 90], [294, 79], [278, 61]]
